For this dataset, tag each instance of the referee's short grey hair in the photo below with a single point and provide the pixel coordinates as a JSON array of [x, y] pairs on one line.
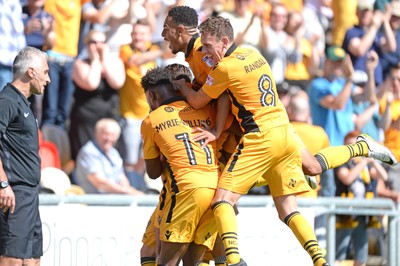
[[26, 58]]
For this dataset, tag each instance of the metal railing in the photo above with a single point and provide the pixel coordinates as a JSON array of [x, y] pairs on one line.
[[329, 206], [333, 206]]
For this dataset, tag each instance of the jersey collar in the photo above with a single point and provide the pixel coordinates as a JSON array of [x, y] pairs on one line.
[[191, 44], [19, 93], [231, 49]]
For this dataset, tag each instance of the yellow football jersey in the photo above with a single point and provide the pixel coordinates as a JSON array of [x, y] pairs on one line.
[[392, 134], [199, 63], [247, 77], [167, 131], [133, 103]]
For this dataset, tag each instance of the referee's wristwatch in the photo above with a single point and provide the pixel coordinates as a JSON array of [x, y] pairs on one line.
[[3, 184]]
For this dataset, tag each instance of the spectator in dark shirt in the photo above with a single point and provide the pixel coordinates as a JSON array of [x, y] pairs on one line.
[[392, 58], [37, 23], [363, 38]]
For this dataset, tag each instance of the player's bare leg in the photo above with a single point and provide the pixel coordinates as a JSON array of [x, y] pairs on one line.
[[171, 253], [9, 261], [148, 255], [194, 254]]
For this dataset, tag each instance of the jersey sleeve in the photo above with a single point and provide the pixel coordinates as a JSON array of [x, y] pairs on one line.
[[125, 53], [150, 148], [216, 82], [7, 114]]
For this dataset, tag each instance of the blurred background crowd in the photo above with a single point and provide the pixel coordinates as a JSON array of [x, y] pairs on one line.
[[98, 51]]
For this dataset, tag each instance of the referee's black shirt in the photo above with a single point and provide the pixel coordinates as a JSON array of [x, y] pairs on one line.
[[19, 144]]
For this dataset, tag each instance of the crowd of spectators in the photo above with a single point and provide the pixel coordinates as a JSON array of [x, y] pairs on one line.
[[341, 58]]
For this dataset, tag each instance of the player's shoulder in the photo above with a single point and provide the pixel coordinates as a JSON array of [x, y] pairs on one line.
[[242, 56], [243, 60]]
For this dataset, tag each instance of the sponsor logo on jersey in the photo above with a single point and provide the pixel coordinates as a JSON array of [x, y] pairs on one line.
[[187, 109], [168, 234], [240, 57], [168, 109], [208, 60], [292, 183], [209, 81]]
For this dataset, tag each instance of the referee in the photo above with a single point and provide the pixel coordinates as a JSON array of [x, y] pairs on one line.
[[21, 240]]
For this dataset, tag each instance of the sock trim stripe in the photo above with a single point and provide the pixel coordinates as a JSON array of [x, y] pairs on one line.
[[323, 162], [219, 203], [310, 243], [290, 217], [351, 150], [229, 235], [147, 260], [315, 258], [313, 246], [361, 147], [232, 252]]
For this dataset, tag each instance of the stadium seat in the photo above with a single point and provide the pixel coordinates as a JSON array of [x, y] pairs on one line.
[[59, 137], [48, 153]]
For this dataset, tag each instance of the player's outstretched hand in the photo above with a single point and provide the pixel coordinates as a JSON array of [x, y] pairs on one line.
[[204, 135]]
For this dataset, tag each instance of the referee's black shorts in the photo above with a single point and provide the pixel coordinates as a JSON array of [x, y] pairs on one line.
[[21, 231]]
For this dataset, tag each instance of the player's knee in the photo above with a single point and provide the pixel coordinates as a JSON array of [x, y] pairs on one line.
[[311, 167]]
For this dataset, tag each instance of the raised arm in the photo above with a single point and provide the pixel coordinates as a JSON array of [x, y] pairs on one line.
[[211, 134], [100, 16], [113, 69], [197, 99], [339, 102], [360, 46], [87, 74], [388, 42]]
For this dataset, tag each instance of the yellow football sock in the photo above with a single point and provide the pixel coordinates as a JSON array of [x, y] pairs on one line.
[[335, 156], [148, 261], [305, 234], [227, 228]]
